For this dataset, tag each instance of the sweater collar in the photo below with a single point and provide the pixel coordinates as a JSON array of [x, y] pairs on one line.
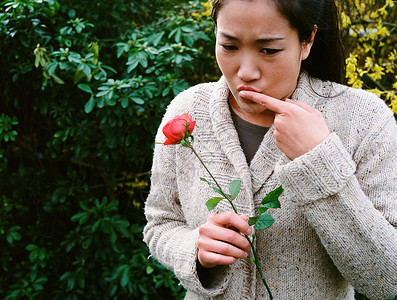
[[226, 133], [264, 161]]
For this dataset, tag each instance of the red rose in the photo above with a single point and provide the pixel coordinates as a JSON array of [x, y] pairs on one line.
[[178, 128]]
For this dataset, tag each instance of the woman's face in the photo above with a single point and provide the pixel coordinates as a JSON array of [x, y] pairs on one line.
[[257, 49]]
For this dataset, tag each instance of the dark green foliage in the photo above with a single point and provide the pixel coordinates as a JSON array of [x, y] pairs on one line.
[[84, 85]]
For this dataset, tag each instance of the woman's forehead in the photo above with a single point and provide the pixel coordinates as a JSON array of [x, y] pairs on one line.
[[260, 16]]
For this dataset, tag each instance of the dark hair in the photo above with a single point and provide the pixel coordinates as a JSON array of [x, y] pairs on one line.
[[327, 59]]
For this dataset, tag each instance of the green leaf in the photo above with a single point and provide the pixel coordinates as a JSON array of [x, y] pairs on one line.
[[101, 102], [103, 93], [149, 270], [59, 134], [205, 180], [166, 91], [125, 276], [87, 70], [133, 63], [52, 67], [264, 221], [187, 29], [213, 202], [262, 209], [31, 247], [124, 102], [142, 58], [234, 188], [273, 204], [178, 59], [138, 100], [89, 106], [78, 216], [37, 61], [217, 190], [85, 88], [95, 226], [14, 236], [155, 38], [178, 36], [80, 67], [252, 220], [273, 195], [57, 79], [188, 40]]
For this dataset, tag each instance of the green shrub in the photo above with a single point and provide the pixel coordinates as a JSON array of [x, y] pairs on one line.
[[370, 33], [84, 87]]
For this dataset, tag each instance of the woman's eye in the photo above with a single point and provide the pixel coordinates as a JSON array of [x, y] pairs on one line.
[[269, 51], [229, 47]]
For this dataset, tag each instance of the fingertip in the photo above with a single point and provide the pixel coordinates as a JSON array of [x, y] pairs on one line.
[[244, 94], [249, 230]]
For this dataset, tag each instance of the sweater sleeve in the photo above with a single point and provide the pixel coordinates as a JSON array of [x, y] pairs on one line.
[[351, 202], [171, 239]]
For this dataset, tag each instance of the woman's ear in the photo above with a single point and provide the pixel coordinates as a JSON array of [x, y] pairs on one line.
[[307, 45]]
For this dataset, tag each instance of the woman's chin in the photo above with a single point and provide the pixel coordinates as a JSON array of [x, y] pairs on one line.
[[250, 107]]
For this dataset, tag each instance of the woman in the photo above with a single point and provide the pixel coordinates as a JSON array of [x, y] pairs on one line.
[[277, 116]]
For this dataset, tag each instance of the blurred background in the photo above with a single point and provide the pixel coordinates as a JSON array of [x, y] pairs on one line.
[[83, 87]]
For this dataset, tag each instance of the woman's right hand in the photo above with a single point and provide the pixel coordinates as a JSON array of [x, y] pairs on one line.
[[221, 241]]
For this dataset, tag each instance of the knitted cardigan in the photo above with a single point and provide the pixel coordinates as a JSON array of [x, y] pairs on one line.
[[336, 228]]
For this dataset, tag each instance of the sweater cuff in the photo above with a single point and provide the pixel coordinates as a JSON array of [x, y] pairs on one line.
[[186, 271], [317, 174]]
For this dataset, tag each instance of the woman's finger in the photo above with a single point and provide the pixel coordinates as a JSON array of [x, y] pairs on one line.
[[301, 104], [225, 235], [231, 220], [273, 104]]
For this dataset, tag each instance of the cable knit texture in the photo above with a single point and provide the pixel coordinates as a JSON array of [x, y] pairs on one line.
[[336, 229]]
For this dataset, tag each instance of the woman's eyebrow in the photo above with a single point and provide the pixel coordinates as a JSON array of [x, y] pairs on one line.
[[262, 40], [228, 36]]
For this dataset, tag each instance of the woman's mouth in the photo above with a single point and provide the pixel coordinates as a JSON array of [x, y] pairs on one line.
[[247, 88]]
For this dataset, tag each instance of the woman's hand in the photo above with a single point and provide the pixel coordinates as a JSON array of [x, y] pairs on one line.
[[298, 127], [220, 239]]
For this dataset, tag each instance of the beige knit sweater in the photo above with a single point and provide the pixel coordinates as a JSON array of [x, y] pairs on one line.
[[336, 228]]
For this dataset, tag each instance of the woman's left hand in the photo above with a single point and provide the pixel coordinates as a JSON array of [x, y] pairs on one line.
[[298, 127]]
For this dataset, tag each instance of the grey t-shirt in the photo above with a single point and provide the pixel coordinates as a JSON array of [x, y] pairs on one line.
[[250, 135]]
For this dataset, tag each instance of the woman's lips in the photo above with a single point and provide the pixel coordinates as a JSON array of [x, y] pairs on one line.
[[247, 88]]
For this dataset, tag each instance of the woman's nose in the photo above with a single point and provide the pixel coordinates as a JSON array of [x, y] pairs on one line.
[[248, 69]]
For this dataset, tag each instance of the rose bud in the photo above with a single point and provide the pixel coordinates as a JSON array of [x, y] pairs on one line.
[[178, 129]]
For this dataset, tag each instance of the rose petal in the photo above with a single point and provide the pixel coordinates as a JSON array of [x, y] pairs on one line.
[[175, 129]]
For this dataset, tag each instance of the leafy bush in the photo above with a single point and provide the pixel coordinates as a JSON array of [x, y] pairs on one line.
[[84, 88], [370, 37]]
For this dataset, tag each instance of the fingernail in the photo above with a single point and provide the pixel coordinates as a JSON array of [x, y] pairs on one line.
[[249, 231], [243, 93]]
